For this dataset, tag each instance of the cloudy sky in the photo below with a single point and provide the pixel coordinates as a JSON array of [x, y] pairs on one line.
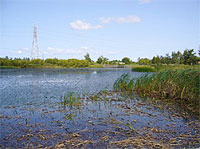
[[112, 28]]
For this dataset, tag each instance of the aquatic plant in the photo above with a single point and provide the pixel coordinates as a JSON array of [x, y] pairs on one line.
[[124, 83], [169, 84], [71, 100]]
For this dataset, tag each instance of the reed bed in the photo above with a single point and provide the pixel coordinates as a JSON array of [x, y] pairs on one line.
[[174, 67], [143, 69], [181, 85]]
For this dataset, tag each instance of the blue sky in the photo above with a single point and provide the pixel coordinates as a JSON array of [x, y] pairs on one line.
[[112, 28]]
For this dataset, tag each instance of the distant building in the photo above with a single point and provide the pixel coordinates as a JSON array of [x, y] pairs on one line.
[[121, 63]]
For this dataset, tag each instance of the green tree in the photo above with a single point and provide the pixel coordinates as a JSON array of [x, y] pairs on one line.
[[156, 60], [37, 61], [87, 57], [102, 60], [144, 61], [189, 57], [52, 61], [126, 60]]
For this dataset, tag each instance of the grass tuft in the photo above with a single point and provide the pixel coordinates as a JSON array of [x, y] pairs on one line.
[[71, 100]]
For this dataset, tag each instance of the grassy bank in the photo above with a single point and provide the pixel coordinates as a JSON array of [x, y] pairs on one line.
[[143, 69], [178, 85], [158, 68], [8, 67], [96, 66], [175, 67]]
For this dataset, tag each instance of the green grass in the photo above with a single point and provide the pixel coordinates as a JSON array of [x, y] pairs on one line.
[[8, 67], [178, 85], [96, 66], [143, 69], [162, 67], [175, 67], [71, 100]]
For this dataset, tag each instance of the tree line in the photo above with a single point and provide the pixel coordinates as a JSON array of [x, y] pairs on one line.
[[31, 63], [188, 57]]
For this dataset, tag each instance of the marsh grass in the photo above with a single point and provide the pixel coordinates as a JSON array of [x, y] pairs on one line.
[[8, 67], [71, 100], [178, 85], [162, 67], [174, 67], [143, 69]]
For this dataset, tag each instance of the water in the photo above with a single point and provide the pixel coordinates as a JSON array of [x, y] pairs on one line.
[[21, 86], [32, 116]]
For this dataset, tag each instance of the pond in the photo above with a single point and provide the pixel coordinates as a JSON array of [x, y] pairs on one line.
[[32, 113]]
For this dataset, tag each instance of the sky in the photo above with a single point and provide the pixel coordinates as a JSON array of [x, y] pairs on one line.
[[111, 28]]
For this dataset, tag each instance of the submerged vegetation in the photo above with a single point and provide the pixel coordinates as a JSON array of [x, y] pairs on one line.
[[181, 85]]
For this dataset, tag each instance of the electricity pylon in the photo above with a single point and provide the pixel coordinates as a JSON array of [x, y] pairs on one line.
[[35, 50]]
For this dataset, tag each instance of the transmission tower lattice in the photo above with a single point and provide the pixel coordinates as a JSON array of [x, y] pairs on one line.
[[35, 50]]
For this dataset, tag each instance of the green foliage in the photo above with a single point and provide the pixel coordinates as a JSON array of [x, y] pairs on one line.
[[87, 57], [144, 61], [176, 84], [175, 67], [39, 63], [123, 83], [126, 60], [102, 60], [156, 60], [143, 69], [52, 61], [189, 57], [96, 66]]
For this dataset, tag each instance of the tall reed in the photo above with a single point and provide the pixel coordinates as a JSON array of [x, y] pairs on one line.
[[168, 84]]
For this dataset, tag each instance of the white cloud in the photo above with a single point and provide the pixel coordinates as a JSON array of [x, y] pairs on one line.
[[104, 20], [80, 25], [19, 52], [127, 19], [144, 1]]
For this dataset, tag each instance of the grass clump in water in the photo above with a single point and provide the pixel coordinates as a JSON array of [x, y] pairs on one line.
[[70, 100], [143, 69], [169, 84]]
